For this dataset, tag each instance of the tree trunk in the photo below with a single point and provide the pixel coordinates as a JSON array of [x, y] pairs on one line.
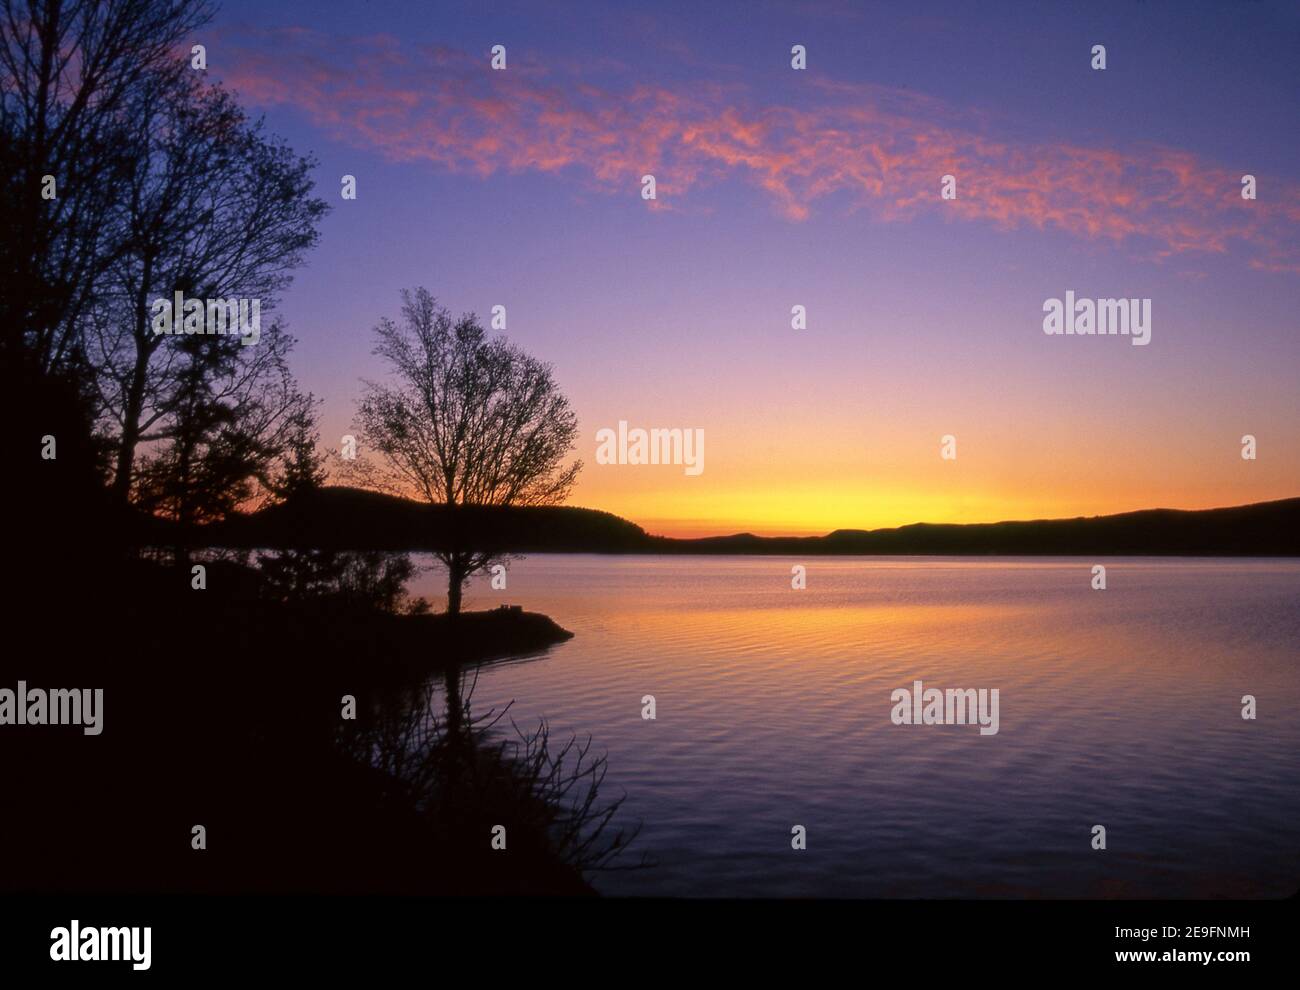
[[134, 405], [121, 489], [455, 584]]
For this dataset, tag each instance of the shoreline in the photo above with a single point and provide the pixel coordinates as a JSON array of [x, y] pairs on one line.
[[232, 712]]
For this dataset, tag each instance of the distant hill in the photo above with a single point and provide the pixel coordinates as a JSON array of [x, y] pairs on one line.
[[352, 519], [1262, 529], [341, 518]]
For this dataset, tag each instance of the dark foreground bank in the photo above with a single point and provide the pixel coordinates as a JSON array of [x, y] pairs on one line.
[[227, 710]]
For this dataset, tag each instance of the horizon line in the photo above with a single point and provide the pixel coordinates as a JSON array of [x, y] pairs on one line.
[[840, 529]]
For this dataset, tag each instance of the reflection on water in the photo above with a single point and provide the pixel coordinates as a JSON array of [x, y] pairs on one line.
[[1119, 707]]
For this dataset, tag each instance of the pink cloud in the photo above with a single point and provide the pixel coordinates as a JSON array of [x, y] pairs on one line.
[[883, 149]]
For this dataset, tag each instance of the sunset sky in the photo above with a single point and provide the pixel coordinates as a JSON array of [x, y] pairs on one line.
[[821, 188]]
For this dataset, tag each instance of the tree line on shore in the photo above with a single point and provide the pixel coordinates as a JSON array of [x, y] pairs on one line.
[[127, 176]]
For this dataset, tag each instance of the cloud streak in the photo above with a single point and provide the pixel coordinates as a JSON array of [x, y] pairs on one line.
[[877, 149]]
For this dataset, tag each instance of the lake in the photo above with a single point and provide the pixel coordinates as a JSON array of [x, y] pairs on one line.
[[1120, 708]]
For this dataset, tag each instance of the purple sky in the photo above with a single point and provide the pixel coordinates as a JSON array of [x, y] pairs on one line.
[[821, 188]]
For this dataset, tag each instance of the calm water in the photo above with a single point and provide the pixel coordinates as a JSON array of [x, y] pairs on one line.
[[1119, 707]]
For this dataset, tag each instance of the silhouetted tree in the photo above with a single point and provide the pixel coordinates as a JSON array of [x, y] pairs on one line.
[[69, 70], [298, 572], [232, 424], [361, 580], [302, 469], [215, 210], [160, 183], [467, 421], [69, 73]]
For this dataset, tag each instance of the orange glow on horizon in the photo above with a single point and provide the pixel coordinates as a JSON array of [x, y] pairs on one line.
[[797, 513]]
